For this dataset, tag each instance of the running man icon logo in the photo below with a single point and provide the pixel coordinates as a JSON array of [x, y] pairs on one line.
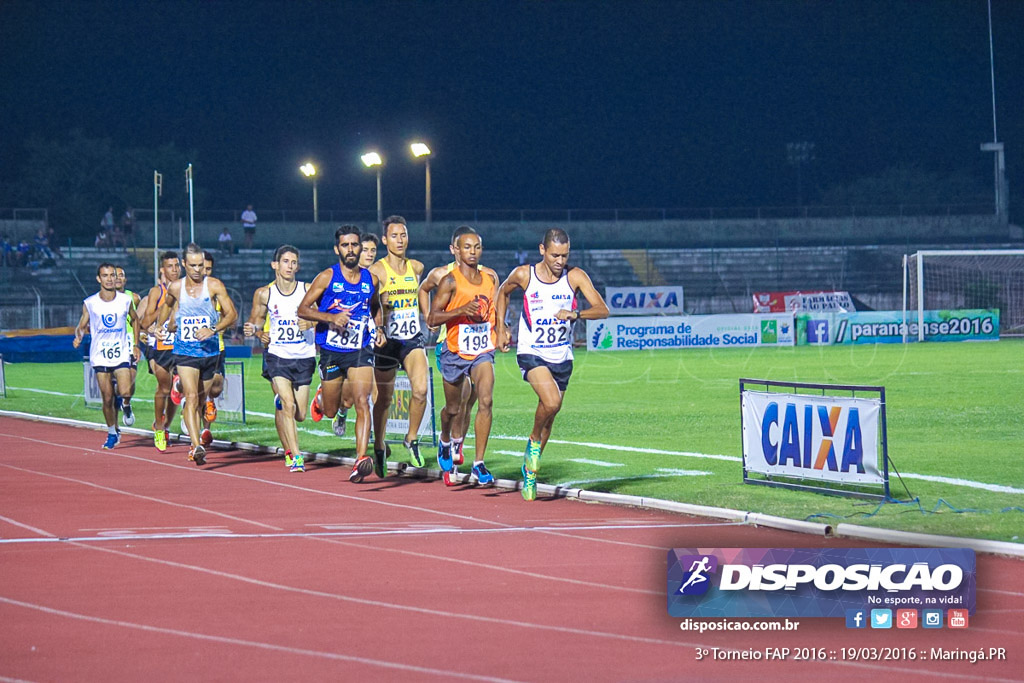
[[696, 580]]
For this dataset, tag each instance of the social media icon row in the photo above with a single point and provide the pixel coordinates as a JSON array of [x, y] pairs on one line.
[[905, 618]]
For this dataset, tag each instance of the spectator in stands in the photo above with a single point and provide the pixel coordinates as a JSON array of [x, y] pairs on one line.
[[249, 225], [128, 227], [102, 239], [107, 224], [24, 252], [7, 255], [116, 237], [224, 239], [42, 244], [51, 236], [521, 256]]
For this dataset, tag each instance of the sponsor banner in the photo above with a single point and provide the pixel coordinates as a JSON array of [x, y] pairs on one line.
[[693, 331], [398, 412], [778, 302], [880, 327], [819, 582], [232, 398], [828, 438], [644, 300]]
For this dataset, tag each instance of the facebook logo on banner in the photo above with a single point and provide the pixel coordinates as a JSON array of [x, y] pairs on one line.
[[817, 332], [856, 618]]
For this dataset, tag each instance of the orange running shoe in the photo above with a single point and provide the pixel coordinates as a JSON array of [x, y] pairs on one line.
[[316, 410], [206, 437], [211, 411]]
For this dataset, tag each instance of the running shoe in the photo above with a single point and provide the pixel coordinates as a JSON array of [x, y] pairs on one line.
[[444, 457], [483, 476], [298, 464], [288, 459], [362, 468], [414, 453], [128, 416], [176, 391], [112, 440], [206, 438], [160, 440], [339, 423], [531, 458], [316, 410], [197, 454], [457, 448], [211, 411], [529, 484], [182, 424], [277, 403], [380, 463], [451, 478]]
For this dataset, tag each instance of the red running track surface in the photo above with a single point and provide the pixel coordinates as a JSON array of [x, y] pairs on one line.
[[131, 564]]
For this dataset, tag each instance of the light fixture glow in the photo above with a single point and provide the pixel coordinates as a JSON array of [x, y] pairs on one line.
[[419, 149], [371, 159], [308, 169]]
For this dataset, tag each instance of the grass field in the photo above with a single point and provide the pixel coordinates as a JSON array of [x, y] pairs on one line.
[[954, 411]]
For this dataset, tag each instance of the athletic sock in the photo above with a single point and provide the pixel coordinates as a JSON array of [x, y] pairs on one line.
[[477, 462], [112, 430], [445, 444]]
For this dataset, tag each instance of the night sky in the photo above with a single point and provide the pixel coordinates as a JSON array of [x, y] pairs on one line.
[[526, 104]]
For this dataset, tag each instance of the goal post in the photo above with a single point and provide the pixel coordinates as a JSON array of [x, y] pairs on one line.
[[965, 279]]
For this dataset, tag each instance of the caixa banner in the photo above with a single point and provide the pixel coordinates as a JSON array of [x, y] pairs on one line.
[[831, 438], [818, 582], [644, 300]]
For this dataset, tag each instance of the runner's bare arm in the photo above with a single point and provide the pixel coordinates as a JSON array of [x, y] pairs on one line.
[[166, 308], [83, 325], [149, 318], [428, 285], [519, 278], [376, 312], [258, 316], [309, 309], [580, 282], [228, 312]]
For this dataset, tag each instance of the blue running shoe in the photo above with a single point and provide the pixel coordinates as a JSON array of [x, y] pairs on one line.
[[529, 484], [277, 403], [483, 476], [112, 440], [531, 458], [128, 416], [444, 457]]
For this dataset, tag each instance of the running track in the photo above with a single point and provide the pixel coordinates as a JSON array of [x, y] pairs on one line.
[[130, 564]]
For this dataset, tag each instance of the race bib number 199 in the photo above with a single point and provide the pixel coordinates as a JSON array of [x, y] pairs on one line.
[[475, 339]]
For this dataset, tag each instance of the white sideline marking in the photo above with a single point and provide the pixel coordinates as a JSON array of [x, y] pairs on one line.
[[599, 463], [674, 473], [967, 483]]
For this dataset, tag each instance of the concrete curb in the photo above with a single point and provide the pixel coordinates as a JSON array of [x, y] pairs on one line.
[[754, 518]]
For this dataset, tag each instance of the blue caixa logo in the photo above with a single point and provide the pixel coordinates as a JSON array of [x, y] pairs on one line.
[[697, 577]]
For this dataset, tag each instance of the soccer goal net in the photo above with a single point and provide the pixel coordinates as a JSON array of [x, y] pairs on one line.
[[968, 279]]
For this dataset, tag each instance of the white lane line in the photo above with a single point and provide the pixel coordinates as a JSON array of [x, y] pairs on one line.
[[996, 488], [226, 533], [26, 526], [447, 673], [598, 463], [151, 499]]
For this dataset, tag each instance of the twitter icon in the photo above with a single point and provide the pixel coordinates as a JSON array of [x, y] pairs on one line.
[[881, 618]]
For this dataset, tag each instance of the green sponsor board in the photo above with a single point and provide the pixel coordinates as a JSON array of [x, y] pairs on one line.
[[886, 327]]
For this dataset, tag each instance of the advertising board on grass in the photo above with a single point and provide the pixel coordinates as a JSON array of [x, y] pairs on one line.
[[888, 327], [666, 300], [693, 331]]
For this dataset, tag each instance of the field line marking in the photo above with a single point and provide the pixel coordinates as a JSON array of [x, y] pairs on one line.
[[598, 463]]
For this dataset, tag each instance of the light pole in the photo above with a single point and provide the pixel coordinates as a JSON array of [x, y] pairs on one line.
[[309, 170], [373, 160], [1002, 190], [798, 154], [420, 149]]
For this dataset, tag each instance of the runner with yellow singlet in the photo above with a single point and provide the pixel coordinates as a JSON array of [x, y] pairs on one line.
[[464, 300], [460, 424], [127, 415], [161, 350], [399, 284]]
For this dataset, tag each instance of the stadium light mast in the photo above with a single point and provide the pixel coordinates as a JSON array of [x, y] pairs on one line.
[[158, 190], [191, 206], [1001, 188], [799, 154], [309, 170], [373, 160], [420, 150]]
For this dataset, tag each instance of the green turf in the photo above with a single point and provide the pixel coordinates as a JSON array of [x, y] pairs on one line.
[[954, 410]]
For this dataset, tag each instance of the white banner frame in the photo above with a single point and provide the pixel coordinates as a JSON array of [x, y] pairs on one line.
[[818, 425]]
